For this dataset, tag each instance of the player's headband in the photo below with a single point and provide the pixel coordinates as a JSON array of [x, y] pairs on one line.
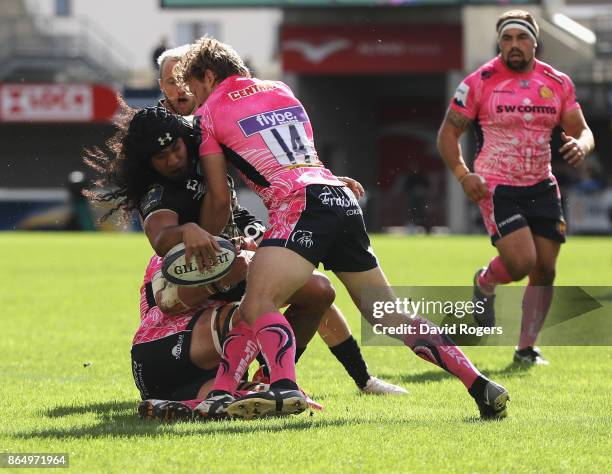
[[519, 25]]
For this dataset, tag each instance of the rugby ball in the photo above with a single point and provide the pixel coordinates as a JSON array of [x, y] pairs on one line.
[[178, 271]]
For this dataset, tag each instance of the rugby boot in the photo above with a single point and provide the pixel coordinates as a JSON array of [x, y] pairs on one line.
[[275, 402], [167, 410], [214, 407], [529, 355], [490, 397], [376, 386]]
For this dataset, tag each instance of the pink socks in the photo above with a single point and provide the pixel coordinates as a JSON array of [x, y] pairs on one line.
[[536, 303], [441, 351], [495, 274], [277, 343], [239, 350]]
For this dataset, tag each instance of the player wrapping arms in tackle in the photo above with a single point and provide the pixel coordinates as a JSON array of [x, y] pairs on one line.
[[334, 328], [175, 352], [173, 356], [517, 101], [264, 131]]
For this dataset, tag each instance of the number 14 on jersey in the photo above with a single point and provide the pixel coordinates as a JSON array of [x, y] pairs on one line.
[[289, 144]]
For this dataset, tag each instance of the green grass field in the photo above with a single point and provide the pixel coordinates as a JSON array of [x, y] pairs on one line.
[[70, 300]]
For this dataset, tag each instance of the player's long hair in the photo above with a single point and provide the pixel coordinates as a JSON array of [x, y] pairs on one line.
[[123, 163], [209, 53], [117, 173]]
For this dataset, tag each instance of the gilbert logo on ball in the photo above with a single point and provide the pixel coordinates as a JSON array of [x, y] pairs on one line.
[[180, 272]]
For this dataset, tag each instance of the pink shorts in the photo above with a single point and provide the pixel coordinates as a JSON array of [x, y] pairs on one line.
[[285, 216]]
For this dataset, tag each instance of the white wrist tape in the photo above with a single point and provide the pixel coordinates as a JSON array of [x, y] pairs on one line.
[[169, 291]]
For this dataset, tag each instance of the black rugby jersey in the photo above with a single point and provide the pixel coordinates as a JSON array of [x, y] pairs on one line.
[[185, 198]]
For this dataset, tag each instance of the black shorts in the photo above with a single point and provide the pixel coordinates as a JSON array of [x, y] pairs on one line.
[[537, 207], [163, 370], [323, 224]]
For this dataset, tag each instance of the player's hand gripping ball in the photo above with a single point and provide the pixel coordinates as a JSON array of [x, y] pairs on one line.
[[178, 271]]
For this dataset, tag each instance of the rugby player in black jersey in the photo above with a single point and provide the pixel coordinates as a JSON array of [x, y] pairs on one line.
[[151, 162]]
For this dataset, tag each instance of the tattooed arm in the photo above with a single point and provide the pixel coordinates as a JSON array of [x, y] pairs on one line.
[[452, 128]]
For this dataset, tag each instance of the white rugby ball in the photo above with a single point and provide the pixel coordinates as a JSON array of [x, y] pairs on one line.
[[178, 271]]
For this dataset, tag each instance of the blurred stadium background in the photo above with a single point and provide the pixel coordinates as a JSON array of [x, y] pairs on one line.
[[375, 76]]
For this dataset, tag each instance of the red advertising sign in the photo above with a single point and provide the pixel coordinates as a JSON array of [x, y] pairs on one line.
[[372, 49], [56, 103]]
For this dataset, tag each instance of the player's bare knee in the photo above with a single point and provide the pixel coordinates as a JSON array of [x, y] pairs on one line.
[[542, 275], [324, 290], [254, 305], [519, 268], [519, 271]]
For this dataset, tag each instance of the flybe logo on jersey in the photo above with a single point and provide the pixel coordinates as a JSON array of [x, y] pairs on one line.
[[266, 120], [531, 109]]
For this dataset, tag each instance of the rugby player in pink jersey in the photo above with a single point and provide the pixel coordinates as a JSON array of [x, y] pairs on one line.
[[334, 328], [151, 165], [517, 101], [264, 131]]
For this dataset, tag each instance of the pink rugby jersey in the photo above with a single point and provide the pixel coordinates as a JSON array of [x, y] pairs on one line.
[[516, 113], [264, 131], [155, 324]]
